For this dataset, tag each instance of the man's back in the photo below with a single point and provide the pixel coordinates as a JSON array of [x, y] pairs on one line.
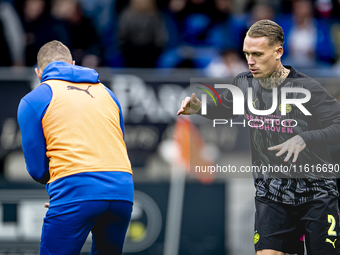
[[83, 130], [80, 140]]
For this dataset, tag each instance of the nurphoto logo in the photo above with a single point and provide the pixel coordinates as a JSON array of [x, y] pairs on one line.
[[238, 100]]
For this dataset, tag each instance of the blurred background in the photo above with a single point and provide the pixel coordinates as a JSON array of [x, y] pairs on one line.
[[148, 52]]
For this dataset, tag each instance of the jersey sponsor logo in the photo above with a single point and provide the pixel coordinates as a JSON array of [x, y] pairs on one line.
[[256, 237], [330, 241], [85, 90], [288, 108]]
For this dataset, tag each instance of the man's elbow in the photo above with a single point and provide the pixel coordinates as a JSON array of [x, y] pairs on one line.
[[42, 179]]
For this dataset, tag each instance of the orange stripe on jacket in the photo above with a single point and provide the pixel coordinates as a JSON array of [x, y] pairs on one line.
[[82, 130]]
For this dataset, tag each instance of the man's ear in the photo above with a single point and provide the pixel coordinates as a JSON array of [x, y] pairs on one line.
[[39, 73], [279, 52], [73, 62]]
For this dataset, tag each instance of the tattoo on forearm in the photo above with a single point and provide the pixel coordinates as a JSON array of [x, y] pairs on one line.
[[275, 79]]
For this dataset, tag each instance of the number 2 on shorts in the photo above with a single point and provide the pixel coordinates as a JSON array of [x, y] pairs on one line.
[[331, 220]]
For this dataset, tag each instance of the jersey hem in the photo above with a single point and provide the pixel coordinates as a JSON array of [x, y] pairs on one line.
[[88, 171]]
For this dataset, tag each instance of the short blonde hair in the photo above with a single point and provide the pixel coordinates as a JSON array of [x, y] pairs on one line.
[[269, 29], [53, 51]]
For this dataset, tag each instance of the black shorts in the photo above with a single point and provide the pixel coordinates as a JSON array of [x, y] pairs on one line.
[[279, 226]]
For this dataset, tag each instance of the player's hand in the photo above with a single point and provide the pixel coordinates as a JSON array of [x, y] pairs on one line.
[[292, 146], [47, 205], [190, 105]]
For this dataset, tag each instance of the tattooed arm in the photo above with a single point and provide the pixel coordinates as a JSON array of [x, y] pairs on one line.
[[293, 146]]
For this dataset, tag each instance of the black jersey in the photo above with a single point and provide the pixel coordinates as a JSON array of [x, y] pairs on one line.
[[318, 130]]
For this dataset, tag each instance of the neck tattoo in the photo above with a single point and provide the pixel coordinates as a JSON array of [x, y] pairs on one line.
[[275, 79]]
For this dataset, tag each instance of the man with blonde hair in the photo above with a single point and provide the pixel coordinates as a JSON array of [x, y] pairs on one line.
[[77, 123], [288, 205]]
